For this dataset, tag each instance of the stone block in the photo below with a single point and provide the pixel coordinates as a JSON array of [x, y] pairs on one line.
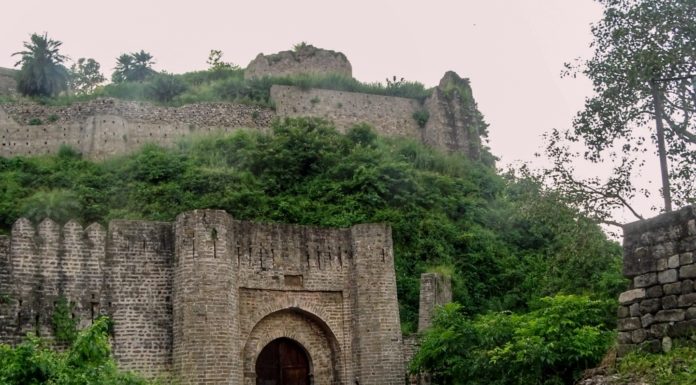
[[630, 296], [648, 306], [622, 312], [687, 286], [686, 300], [670, 315], [629, 324], [667, 276], [638, 336], [647, 320], [686, 258], [666, 344], [691, 227], [625, 337], [682, 329], [672, 288], [687, 271], [645, 280], [669, 302], [661, 264], [659, 330], [634, 310], [673, 261], [654, 292], [691, 313]]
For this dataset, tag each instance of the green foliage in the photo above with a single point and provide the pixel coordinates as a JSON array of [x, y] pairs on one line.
[[216, 64], [35, 122], [552, 344], [165, 87], [85, 76], [87, 361], [42, 72], [64, 325], [134, 67], [678, 366], [506, 241], [421, 117]]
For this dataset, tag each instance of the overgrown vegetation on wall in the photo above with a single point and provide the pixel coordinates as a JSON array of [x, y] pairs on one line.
[[87, 361], [228, 84], [508, 240]]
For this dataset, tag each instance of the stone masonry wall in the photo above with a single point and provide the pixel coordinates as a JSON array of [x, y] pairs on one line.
[[659, 257], [306, 59], [106, 127], [435, 290], [201, 297]]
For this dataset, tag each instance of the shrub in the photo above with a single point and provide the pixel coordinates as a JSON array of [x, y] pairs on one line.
[[165, 87], [421, 117], [64, 325], [551, 344], [35, 122]]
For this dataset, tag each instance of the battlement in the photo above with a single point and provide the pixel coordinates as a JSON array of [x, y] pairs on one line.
[[171, 287]]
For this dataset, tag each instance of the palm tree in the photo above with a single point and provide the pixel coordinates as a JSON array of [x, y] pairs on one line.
[[133, 67], [42, 73]]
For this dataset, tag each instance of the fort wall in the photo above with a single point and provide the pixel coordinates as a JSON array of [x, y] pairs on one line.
[[201, 297], [660, 259]]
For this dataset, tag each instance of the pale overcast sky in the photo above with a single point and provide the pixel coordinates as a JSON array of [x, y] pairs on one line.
[[513, 51]]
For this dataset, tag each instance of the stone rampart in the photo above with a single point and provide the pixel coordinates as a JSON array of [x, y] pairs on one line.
[[200, 298], [105, 127], [660, 259]]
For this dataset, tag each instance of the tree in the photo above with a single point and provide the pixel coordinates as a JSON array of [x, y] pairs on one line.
[[42, 73], [132, 67], [216, 64], [85, 76], [638, 45]]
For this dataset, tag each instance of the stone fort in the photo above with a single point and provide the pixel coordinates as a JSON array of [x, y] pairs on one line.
[[212, 300], [106, 127]]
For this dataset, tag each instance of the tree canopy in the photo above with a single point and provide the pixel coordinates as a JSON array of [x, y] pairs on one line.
[[136, 66], [41, 72], [637, 44]]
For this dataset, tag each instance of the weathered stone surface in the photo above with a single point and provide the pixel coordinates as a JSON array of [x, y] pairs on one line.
[[687, 286], [682, 329], [669, 302], [667, 276], [638, 336], [622, 312], [673, 261], [630, 296], [654, 292], [647, 320], [645, 280], [688, 271], [672, 315], [662, 264], [686, 258], [629, 324], [686, 300], [306, 59], [659, 330], [634, 310], [650, 306], [691, 313], [625, 337], [666, 344], [672, 288]]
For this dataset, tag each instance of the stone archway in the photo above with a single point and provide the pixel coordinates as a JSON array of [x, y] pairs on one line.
[[309, 334], [283, 362]]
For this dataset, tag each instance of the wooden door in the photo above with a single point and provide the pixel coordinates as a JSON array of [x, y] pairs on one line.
[[282, 362]]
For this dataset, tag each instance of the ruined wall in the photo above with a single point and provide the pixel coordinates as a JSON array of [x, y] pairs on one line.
[[659, 257], [106, 127], [435, 290], [306, 59], [391, 116]]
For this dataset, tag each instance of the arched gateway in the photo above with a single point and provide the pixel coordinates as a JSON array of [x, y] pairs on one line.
[[283, 362]]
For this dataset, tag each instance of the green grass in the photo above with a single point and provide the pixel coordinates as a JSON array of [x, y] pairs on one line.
[[676, 367]]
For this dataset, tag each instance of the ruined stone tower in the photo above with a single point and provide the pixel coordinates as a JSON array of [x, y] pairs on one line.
[[208, 298]]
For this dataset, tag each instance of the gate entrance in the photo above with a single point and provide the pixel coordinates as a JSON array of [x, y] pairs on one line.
[[282, 362]]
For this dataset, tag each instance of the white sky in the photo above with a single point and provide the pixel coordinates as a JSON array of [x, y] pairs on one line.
[[513, 51]]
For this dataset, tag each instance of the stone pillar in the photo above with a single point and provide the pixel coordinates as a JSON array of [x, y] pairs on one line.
[[435, 290], [659, 258], [377, 348], [206, 326]]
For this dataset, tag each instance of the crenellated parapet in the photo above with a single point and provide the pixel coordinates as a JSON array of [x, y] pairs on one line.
[[200, 298]]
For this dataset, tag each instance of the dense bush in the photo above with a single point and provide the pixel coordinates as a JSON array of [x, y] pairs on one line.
[[552, 344], [87, 361], [165, 87], [507, 240]]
